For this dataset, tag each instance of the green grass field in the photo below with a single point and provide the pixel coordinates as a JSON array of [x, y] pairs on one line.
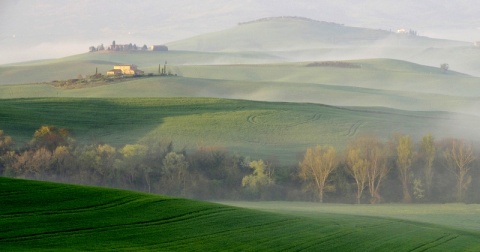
[[378, 74], [256, 129], [44, 216], [255, 96], [378, 83], [293, 33], [88, 63], [300, 40], [458, 216]]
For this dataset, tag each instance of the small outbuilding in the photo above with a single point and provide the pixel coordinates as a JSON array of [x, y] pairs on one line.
[[114, 72]]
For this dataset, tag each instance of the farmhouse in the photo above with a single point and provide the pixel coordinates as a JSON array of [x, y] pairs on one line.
[[124, 70], [158, 48]]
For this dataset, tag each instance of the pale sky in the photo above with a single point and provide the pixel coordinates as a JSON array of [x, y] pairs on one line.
[[38, 29]]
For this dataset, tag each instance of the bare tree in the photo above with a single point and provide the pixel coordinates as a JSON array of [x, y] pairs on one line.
[[375, 153], [358, 168], [459, 157], [317, 165]]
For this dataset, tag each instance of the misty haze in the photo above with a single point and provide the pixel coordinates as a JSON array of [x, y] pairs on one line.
[[239, 125]]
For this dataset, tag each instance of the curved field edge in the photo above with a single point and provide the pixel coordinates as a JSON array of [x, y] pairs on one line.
[[458, 216], [47, 216]]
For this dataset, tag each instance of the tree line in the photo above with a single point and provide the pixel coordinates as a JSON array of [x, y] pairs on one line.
[[368, 170]]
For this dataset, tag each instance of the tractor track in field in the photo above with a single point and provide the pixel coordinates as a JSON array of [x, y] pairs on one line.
[[141, 224], [104, 206], [435, 243], [237, 231], [325, 239], [352, 131], [253, 119]]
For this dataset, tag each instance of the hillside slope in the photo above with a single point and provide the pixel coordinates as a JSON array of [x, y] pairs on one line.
[[256, 129], [380, 74], [292, 33], [87, 63], [44, 216], [300, 39], [372, 82]]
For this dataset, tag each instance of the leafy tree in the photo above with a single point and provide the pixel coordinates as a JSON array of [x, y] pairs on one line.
[[459, 157], [427, 150], [404, 162], [156, 152], [36, 164], [133, 165], [63, 162], [259, 178], [6, 142], [217, 173], [209, 161], [96, 164], [50, 137], [317, 165], [6, 147], [175, 171]]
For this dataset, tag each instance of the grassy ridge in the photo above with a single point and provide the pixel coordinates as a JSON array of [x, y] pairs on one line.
[[46, 216], [86, 64], [380, 82], [258, 129], [301, 40], [378, 74], [292, 33]]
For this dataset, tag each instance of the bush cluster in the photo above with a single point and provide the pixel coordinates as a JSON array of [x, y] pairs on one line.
[[367, 171]]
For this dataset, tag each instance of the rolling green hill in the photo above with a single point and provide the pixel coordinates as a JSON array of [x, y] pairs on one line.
[[87, 63], [381, 74], [44, 216], [256, 129], [290, 33], [376, 82], [300, 39]]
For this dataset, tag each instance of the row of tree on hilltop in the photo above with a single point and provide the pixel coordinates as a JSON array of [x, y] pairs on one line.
[[367, 171], [115, 47], [126, 47]]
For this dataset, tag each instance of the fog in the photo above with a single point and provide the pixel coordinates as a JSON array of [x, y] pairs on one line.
[[33, 30], [63, 26]]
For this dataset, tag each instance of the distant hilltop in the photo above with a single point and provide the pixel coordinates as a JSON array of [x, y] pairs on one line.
[[286, 18], [127, 47]]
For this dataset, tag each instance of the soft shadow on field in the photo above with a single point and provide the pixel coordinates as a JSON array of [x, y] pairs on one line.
[[464, 217], [256, 129], [116, 121]]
